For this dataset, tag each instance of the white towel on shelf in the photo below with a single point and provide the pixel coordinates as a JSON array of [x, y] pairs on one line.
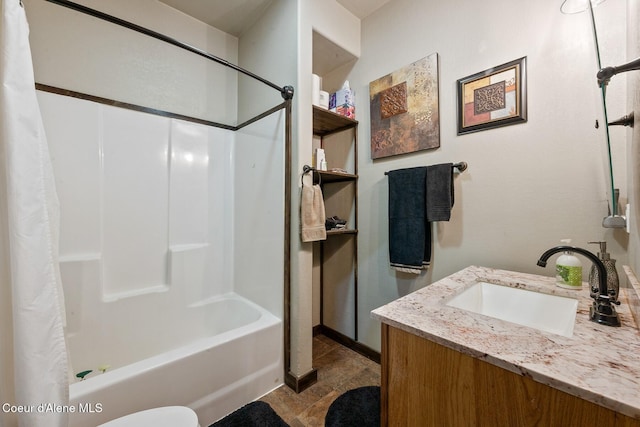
[[312, 215]]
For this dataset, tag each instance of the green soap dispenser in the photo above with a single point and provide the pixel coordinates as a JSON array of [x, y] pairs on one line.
[[613, 281], [568, 269]]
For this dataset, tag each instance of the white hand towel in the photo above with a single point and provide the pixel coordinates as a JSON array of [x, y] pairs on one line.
[[312, 214]]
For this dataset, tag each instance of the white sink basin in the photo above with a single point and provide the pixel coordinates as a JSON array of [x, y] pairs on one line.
[[550, 313]]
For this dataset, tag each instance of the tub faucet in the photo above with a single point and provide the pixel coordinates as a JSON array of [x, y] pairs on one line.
[[602, 311]]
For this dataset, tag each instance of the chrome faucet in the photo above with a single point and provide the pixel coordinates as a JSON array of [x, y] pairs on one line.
[[601, 311]]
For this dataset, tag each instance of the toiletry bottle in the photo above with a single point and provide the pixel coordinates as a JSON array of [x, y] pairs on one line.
[[613, 281], [568, 269]]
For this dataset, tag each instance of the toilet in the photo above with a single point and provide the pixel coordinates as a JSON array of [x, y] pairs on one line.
[[167, 416]]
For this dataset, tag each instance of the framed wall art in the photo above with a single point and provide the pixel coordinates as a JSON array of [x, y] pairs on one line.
[[493, 98], [404, 109]]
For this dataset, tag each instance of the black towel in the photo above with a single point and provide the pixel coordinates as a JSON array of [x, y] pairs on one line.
[[439, 192], [409, 232]]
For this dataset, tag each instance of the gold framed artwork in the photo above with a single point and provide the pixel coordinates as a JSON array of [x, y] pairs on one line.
[[493, 98], [404, 109]]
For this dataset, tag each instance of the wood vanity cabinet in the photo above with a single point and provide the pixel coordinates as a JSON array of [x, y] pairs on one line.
[[428, 384]]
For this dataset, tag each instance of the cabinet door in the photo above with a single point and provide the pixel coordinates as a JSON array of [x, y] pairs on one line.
[[428, 384]]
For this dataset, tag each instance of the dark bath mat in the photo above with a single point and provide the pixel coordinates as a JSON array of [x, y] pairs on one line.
[[255, 414], [358, 407]]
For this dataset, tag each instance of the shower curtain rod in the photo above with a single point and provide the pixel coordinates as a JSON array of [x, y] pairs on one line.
[[163, 113], [285, 91]]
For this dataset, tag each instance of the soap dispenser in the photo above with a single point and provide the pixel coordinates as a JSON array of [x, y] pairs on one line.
[[568, 269], [613, 281]]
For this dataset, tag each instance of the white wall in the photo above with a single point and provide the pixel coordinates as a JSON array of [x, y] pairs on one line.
[[265, 49], [259, 220], [528, 185], [634, 140], [77, 52], [271, 48], [340, 26]]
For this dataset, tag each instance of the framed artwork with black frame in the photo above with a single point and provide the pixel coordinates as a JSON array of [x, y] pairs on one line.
[[493, 98]]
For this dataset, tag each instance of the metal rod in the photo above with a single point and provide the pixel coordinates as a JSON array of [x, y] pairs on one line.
[[284, 91], [605, 74], [305, 170], [627, 120], [461, 166], [134, 107], [287, 239], [262, 115]]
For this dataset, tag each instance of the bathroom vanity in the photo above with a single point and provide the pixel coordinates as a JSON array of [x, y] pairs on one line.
[[448, 366]]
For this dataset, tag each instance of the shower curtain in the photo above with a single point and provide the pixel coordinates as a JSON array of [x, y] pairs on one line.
[[33, 359]]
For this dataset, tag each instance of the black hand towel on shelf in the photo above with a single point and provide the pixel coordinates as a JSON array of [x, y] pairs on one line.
[[409, 232], [439, 197]]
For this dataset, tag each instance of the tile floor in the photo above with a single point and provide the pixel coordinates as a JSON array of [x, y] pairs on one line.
[[339, 369]]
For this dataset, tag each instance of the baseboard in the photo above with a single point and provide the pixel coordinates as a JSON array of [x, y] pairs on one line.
[[350, 343], [299, 384], [317, 330]]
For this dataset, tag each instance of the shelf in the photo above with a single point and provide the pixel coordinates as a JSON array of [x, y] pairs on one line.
[[338, 254], [328, 176], [342, 231], [326, 122]]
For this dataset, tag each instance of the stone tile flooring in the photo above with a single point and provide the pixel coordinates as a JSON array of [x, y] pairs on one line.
[[339, 369]]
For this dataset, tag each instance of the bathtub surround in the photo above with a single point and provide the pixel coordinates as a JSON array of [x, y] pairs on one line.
[[158, 222], [204, 317], [33, 364]]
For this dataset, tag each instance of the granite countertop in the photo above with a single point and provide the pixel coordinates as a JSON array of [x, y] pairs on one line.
[[598, 363]]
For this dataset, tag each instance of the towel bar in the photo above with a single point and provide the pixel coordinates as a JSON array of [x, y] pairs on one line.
[[305, 170], [461, 166]]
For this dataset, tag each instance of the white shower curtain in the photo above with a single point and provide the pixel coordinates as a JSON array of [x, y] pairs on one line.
[[33, 357]]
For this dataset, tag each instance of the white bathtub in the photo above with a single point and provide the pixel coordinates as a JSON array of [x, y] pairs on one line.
[[239, 362], [157, 230]]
